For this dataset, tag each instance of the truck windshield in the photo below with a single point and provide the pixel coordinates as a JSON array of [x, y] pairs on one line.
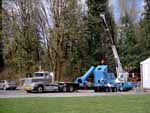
[[38, 75]]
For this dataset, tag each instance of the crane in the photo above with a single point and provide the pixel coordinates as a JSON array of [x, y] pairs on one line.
[[122, 75], [103, 80]]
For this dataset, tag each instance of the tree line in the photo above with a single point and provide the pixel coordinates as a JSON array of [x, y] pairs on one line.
[[60, 36]]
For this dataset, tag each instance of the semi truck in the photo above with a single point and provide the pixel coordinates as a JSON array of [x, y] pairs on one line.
[[43, 81]]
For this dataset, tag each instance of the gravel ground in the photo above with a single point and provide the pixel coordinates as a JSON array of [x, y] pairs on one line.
[[22, 94]]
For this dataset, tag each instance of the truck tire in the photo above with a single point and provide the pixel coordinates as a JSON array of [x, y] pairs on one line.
[[71, 88], [40, 89], [106, 89], [114, 89], [121, 89], [5, 88], [96, 89], [110, 89], [64, 89]]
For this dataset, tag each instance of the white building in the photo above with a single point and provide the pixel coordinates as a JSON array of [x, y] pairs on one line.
[[145, 73]]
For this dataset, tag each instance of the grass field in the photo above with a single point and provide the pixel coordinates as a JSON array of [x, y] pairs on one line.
[[97, 104]]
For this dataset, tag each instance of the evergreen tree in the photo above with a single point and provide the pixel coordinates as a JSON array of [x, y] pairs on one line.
[[129, 48], [145, 34], [97, 37], [134, 43]]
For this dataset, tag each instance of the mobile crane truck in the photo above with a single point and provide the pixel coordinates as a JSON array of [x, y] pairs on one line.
[[103, 80]]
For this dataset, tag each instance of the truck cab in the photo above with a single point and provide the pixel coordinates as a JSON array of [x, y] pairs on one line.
[[39, 82]]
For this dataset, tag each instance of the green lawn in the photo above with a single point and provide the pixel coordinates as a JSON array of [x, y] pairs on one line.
[[97, 104]]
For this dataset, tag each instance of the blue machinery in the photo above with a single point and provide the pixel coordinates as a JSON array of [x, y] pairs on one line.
[[82, 81], [103, 80]]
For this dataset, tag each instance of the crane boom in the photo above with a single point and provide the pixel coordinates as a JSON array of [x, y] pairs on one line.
[[117, 59], [121, 74]]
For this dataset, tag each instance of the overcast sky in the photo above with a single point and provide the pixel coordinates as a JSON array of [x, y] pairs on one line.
[[116, 8]]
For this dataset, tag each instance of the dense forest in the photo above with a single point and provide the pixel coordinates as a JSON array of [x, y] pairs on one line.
[[66, 37]]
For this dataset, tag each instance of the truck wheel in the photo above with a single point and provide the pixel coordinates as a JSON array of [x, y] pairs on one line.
[[106, 89], [96, 89], [115, 90], [121, 89], [40, 89], [71, 88], [64, 89], [110, 89], [4, 88]]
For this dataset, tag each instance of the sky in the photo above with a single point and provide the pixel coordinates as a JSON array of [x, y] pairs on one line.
[[116, 8]]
